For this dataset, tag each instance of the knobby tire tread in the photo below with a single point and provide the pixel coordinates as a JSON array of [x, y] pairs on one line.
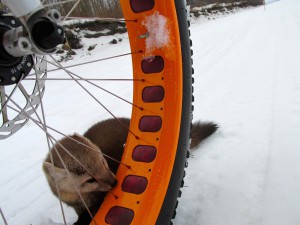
[[168, 210]]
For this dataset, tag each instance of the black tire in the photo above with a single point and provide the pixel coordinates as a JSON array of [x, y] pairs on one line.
[[168, 210]]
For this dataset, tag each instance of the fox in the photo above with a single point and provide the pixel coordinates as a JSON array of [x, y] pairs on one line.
[[80, 165]]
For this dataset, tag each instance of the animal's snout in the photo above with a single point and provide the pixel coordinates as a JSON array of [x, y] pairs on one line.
[[111, 180]]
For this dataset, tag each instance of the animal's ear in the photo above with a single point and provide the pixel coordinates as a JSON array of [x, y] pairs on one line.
[[54, 172]]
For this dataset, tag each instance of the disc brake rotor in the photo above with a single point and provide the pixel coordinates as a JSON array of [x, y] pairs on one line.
[[17, 101]]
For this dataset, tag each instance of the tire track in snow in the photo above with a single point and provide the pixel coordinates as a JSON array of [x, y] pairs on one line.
[[232, 175], [280, 201], [217, 47]]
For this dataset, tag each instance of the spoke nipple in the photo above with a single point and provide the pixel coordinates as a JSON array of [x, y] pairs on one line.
[[141, 108], [13, 78], [116, 197], [128, 167]]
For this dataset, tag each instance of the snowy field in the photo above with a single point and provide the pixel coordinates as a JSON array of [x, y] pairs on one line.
[[247, 79]]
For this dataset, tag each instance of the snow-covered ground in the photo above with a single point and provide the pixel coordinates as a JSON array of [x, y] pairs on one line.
[[246, 79]]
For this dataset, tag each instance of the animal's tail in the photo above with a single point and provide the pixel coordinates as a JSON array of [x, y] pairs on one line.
[[200, 131]]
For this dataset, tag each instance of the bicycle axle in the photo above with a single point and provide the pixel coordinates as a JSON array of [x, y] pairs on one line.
[[40, 34], [32, 31]]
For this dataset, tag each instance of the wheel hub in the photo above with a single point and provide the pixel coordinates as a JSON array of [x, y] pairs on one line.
[[12, 69]]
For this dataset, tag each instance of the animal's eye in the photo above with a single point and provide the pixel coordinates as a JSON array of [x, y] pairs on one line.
[[91, 180]]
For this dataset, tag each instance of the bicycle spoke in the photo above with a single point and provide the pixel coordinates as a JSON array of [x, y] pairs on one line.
[[6, 100], [86, 63], [83, 79], [3, 217], [72, 9], [55, 181], [102, 19], [3, 102], [57, 3]]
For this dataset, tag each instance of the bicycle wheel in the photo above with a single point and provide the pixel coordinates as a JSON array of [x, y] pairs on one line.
[[158, 141]]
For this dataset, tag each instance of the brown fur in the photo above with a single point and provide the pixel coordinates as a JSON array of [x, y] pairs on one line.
[[109, 136], [200, 131]]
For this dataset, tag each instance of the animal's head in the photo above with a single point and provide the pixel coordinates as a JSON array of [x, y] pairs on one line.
[[90, 175]]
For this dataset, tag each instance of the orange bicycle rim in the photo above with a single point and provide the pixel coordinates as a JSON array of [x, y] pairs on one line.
[[150, 151]]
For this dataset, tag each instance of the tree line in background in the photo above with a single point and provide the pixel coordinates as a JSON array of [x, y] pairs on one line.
[[199, 3], [84, 8], [88, 8], [112, 9]]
